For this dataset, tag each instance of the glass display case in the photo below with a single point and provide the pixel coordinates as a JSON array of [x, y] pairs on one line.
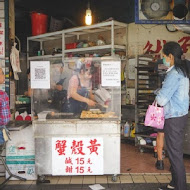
[[76, 88]]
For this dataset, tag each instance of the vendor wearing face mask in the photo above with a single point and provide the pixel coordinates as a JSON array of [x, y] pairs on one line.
[[79, 94]]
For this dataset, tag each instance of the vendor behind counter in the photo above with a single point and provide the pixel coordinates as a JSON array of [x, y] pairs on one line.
[[79, 96]]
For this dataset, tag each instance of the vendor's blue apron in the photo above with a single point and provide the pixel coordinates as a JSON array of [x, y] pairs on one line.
[[75, 106]]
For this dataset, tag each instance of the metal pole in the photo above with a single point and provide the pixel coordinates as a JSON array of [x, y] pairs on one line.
[[112, 39], [7, 53]]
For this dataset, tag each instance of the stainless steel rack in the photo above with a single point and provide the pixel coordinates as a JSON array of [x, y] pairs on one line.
[[146, 82]]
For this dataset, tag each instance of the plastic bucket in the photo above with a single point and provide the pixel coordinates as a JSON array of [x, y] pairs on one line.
[[39, 23]]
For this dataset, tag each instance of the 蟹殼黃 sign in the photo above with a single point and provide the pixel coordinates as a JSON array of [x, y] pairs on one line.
[[77, 156]]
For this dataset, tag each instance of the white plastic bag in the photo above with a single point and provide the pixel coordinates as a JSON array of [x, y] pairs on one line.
[[15, 61]]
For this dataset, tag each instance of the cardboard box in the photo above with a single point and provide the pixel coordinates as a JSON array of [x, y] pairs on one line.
[[25, 169], [21, 144], [20, 154]]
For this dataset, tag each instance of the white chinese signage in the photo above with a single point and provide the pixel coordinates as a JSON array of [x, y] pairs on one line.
[[40, 74], [111, 73], [77, 156]]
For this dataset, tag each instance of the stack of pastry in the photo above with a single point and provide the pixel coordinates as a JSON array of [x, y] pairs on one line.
[[91, 114]]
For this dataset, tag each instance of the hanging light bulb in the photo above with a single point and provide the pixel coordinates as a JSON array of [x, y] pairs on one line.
[[88, 17]]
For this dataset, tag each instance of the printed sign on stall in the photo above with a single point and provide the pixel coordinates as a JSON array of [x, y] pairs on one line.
[[111, 73], [77, 156], [40, 74]]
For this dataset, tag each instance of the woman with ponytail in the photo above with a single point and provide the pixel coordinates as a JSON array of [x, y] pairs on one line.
[[174, 97]]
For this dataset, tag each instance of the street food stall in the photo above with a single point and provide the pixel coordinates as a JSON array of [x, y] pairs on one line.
[[76, 127]]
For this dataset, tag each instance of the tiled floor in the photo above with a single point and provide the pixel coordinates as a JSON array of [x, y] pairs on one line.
[[123, 178], [139, 186], [125, 181], [137, 172], [132, 161]]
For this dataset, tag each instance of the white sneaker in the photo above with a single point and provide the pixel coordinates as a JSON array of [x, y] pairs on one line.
[[170, 187]]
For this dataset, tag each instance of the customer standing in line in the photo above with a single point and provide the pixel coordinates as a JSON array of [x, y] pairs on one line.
[[160, 147], [4, 108], [160, 132], [174, 97]]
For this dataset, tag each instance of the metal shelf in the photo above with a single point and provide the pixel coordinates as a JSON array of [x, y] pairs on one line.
[[46, 37], [95, 48], [96, 28], [77, 32], [148, 136], [144, 92], [44, 57]]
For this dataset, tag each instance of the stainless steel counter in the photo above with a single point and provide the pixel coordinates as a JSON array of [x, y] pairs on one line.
[[18, 125], [45, 130]]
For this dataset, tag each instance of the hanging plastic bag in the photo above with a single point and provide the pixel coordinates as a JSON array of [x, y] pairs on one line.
[[154, 116], [15, 61]]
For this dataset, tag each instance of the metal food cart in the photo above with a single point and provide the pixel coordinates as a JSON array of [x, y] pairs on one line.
[[86, 143]]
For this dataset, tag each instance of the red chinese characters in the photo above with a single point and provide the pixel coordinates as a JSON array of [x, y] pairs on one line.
[[185, 43], [150, 48], [68, 161], [89, 161], [69, 169], [60, 146], [75, 156], [77, 147], [94, 146], [89, 170]]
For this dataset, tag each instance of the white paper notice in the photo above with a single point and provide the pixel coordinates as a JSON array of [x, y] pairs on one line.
[[77, 156], [111, 73], [96, 187], [40, 74]]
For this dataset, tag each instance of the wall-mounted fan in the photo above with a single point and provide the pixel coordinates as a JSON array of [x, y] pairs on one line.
[[171, 28], [155, 9]]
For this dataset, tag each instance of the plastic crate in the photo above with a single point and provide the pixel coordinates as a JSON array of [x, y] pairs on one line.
[[55, 24], [71, 46]]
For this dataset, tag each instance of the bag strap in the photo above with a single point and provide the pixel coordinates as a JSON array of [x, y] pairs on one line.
[[155, 103]]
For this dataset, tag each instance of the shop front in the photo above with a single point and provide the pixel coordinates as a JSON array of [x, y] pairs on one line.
[[78, 124], [77, 136]]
